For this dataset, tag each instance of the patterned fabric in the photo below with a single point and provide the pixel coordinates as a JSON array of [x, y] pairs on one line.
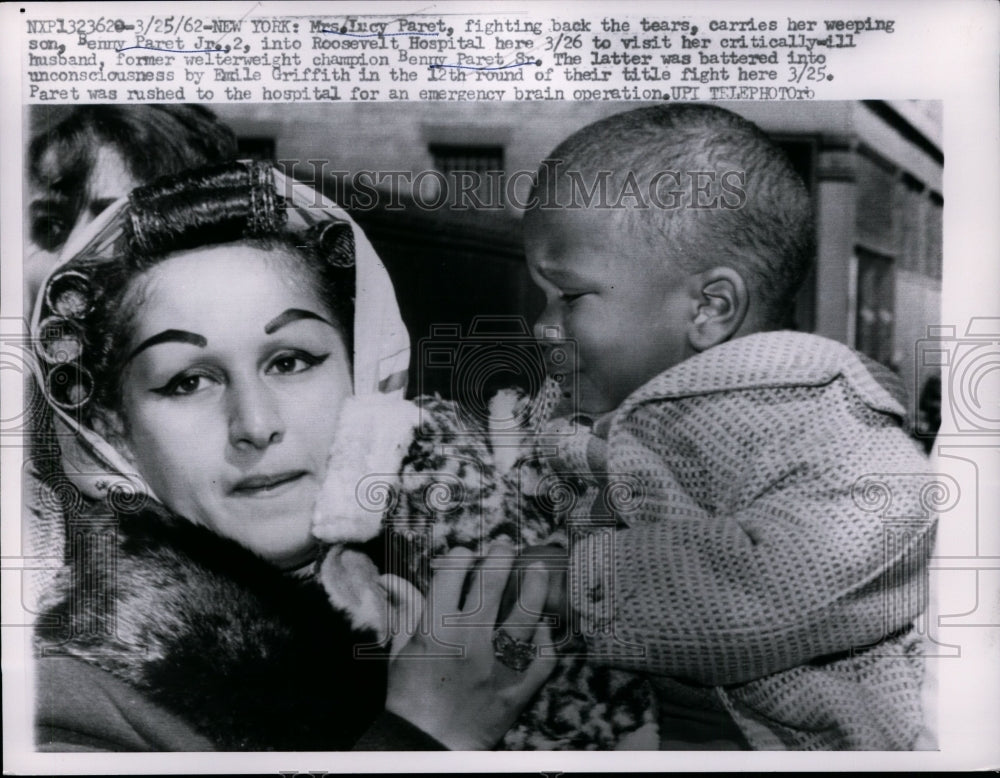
[[769, 556], [408, 482]]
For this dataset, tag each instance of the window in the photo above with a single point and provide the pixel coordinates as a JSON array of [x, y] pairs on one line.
[[469, 167], [260, 149], [876, 303], [801, 152]]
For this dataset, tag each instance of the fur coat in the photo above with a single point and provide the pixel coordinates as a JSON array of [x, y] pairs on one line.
[[250, 657]]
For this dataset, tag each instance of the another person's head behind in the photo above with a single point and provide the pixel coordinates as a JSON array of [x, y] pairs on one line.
[[705, 234], [929, 411], [97, 153], [214, 353]]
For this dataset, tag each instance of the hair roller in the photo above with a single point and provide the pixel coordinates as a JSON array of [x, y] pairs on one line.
[[70, 295], [69, 386], [60, 340], [334, 241], [134, 230], [265, 214], [209, 206]]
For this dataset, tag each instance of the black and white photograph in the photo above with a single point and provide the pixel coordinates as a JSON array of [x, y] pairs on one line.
[[516, 417]]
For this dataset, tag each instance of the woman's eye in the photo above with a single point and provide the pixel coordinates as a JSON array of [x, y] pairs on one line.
[[290, 364], [51, 219], [49, 232], [184, 385], [569, 297], [188, 385]]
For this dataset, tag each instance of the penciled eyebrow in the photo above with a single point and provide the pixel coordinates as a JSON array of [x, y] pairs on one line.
[[183, 336], [290, 315], [169, 336], [48, 203]]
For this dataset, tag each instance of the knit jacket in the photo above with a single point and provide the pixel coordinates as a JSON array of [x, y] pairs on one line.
[[768, 544], [188, 638]]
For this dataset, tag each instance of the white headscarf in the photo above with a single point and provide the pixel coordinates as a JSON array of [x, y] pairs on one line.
[[381, 342]]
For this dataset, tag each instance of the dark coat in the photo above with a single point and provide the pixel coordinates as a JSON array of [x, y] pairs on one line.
[[247, 656]]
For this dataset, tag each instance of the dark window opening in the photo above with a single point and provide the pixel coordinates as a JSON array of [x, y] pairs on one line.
[[473, 169], [875, 306], [801, 153], [259, 149]]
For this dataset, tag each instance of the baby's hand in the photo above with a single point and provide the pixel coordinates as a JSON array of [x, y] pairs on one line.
[[571, 447]]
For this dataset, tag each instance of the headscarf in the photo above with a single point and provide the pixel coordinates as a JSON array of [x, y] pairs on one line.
[[91, 463]]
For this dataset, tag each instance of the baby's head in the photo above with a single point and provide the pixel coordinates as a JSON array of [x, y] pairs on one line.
[[703, 233]]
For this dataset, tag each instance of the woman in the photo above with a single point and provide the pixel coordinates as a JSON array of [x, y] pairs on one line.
[[77, 166], [195, 352], [95, 154]]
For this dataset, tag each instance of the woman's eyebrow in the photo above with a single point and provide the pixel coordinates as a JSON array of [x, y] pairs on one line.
[[290, 315], [48, 200], [47, 204], [169, 336]]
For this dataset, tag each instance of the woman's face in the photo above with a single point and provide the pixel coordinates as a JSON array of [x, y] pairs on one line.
[[233, 381], [54, 217]]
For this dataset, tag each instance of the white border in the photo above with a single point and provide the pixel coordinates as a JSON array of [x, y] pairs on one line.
[[941, 50]]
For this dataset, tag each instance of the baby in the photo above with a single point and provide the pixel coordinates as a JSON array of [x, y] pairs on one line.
[[747, 572]]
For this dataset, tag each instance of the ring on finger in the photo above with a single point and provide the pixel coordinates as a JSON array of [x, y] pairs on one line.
[[512, 652]]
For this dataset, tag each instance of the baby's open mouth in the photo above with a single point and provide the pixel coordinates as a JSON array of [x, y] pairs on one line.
[[267, 483]]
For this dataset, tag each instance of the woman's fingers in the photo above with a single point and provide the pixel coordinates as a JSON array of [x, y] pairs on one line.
[[472, 597], [450, 573], [531, 586], [486, 583], [545, 661], [406, 608], [467, 698]]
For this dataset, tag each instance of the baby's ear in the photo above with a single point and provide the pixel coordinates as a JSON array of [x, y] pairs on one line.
[[721, 301]]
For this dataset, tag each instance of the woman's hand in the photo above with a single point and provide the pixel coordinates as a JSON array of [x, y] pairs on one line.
[[555, 560], [445, 679]]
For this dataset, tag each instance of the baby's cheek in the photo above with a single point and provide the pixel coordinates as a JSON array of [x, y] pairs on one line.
[[598, 350]]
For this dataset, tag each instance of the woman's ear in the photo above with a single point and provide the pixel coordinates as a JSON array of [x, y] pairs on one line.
[[721, 301]]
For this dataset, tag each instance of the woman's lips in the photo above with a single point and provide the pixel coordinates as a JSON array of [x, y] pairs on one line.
[[267, 484]]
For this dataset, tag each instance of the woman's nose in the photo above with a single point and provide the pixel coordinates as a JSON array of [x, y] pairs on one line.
[[255, 419]]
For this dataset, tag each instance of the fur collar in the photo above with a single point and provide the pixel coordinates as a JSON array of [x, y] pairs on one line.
[[254, 659]]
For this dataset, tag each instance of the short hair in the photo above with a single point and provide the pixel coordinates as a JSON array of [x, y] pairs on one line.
[[764, 231], [153, 141]]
